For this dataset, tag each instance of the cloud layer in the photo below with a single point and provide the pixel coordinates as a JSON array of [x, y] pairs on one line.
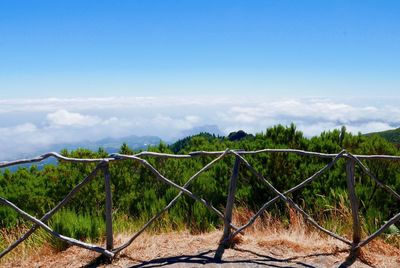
[[64, 118], [32, 125], [312, 116]]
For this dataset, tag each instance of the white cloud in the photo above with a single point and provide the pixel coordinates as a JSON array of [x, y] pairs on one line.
[[311, 115], [24, 128], [32, 125], [369, 127], [174, 125], [94, 104], [21, 140], [65, 118]]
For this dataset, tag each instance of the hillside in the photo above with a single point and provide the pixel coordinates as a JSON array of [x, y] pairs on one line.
[[392, 135]]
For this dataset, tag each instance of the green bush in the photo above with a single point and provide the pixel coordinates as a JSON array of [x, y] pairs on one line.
[[138, 194], [76, 225]]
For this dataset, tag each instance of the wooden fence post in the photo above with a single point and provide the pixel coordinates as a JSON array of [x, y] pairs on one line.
[[228, 210], [355, 250], [109, 227]]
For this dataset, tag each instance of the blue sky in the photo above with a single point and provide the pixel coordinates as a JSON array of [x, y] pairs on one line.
[[272, 48], [72, 71]]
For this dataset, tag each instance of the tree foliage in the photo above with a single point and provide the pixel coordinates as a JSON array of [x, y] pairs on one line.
[[138, 195]]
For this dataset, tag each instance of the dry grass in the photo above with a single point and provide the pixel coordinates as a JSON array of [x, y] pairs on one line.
[[37, 244], [268, 240], [302, 238], [298, 235]]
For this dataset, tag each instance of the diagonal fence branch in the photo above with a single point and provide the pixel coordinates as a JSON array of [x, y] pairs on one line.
[[297, 187], [393, 220], [49, 214], [369, 173], [69, 240], [292, 203], [162, 178], [173, 201]]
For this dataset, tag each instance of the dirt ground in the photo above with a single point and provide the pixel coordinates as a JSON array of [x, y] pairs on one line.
[[290, 249]]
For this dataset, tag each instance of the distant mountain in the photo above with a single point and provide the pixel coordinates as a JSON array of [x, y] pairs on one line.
[[111, 145], [392, 135], [211, 129]]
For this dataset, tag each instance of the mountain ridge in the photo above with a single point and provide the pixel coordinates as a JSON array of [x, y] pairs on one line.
[[391, 135]]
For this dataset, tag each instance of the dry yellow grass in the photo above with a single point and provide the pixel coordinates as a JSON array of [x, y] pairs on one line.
[[287, 249], [268, 242]]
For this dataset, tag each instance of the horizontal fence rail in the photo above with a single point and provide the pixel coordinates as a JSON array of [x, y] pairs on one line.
[[230, 230]]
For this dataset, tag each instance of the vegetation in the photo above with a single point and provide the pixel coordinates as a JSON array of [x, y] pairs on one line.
[[138, 195], [392, 135]]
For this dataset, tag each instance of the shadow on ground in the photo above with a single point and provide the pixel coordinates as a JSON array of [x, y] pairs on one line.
[[206, 258]]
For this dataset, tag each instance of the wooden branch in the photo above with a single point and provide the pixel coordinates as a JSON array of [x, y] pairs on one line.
[[161, 177], [299, 152], [52, 154], [393, 220], [353, 201], [151, 154], [231, 197], [242, 152], [117, 156], [354, 252], [69, 240], [228, 209], [297, 187], [173, 201], [375, 157], [49, 214], [109, 226], [103, 163], [162, 155], [292, 203], [380, 183]]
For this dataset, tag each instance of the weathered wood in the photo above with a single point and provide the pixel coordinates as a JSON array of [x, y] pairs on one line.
[[231, 198], [52, 154], [241, 152], [49, 214], [369, 173], [377, 156], [113, 157], [161, 177], [228, 209], [291, 203], [69, 240], [173, 201], [350, 260], [296, 188], [354, 252], [151, 154], [103, 163], [109, 226], [393, 220]]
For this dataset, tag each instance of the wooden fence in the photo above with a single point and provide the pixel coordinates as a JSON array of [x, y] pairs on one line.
[[230, 230]]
